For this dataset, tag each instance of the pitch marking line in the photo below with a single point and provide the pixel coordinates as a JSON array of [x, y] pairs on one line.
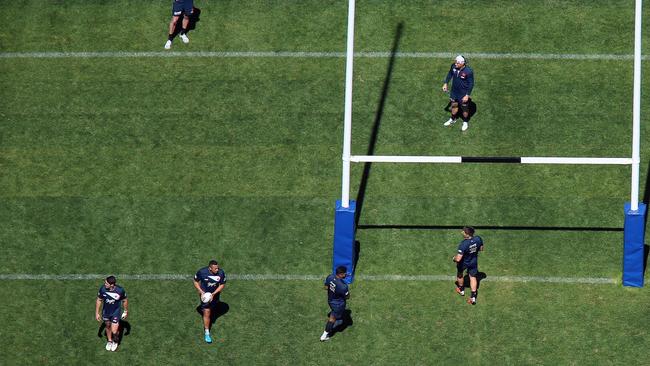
[[289, 277], [290, 54]]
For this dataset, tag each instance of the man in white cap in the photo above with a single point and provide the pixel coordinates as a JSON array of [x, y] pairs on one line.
[[462, 78]]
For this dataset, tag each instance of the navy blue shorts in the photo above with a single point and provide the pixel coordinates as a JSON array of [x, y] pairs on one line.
[[338, 310], [210, 305], [472, 270], [463, 106], [182, 6], [113, 318]]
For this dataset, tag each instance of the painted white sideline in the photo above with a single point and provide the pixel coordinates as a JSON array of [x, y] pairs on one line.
[[299, 277], [316, 54]]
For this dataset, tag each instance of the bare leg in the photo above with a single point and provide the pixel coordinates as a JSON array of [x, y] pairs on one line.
[[460, 281], [186, 21], [206, 318], [114, 329], [109, 331], [172, 23]]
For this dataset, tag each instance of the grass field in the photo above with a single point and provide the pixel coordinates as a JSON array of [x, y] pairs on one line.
[[150, 165]]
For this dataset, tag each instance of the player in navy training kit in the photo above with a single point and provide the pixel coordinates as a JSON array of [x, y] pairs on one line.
[[467, 259], [180, 7], [462, 77], [112, 297], [337, 294], [210, 279]]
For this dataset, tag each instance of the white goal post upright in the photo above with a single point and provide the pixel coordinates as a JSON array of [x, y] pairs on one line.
[[347, 125], [635, 213], [636, 108]]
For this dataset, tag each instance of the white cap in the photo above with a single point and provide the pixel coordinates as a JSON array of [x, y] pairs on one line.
[[460, 59]]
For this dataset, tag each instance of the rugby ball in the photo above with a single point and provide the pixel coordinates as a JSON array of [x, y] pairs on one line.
[[206, 297]]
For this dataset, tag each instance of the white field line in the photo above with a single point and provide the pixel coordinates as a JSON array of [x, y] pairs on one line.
[[289, 277], [305, 54]]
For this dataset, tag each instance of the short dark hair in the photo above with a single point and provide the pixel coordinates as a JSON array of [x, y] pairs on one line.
[[468, 230], [341, 269], [213, 263], [111, 280]]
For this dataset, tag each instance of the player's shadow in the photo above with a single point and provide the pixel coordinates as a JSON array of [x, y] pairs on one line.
[[472, 108], [480, 276], [124, 329], [219, 310], [194, 18], [345, 322]]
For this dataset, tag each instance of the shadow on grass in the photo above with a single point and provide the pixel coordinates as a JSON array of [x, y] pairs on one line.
[[646, 201], [646, 250], [646, 195], [375, 127], [194, 18], [479, 277], [357, 251], [124, 329], [218, 310], [472, 108], [343, 324], [489, 227]]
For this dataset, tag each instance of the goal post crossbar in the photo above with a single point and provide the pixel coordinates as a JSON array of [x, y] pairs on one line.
[[497, 159], [633, 161]]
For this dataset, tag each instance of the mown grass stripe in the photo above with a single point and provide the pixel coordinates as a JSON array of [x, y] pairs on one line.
[[303, 277], [305, 54]]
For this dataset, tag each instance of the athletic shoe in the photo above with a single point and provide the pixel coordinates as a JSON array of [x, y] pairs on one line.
[[449, 122], [465, 126], [108, 345], [114, 346], [325, 337], [207, 338], [184, 38], [471, 300], [168, 44], [460, 292]]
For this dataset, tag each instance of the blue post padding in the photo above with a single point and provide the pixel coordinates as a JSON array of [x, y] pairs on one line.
[[634, 245], [344, 253]]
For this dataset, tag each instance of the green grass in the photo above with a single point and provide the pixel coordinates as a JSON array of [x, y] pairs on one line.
[[418, 323], [156, 165]]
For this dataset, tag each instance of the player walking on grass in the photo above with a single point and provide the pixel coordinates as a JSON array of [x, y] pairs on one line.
[[111, 297], [180, 7], [467, 259], [462, 77], [337, 294], [211, 279]]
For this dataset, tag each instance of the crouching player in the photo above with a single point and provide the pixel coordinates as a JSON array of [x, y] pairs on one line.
[[111, 297]]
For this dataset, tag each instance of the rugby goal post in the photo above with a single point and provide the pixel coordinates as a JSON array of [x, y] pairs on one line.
[[345, 251]]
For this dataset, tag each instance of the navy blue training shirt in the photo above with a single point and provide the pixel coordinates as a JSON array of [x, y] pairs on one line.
[[208, 281], [112, 299], [337, 289], [462, 81], [469, 249]]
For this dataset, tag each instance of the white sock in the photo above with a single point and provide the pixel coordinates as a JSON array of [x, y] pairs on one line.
[[207, 331]]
